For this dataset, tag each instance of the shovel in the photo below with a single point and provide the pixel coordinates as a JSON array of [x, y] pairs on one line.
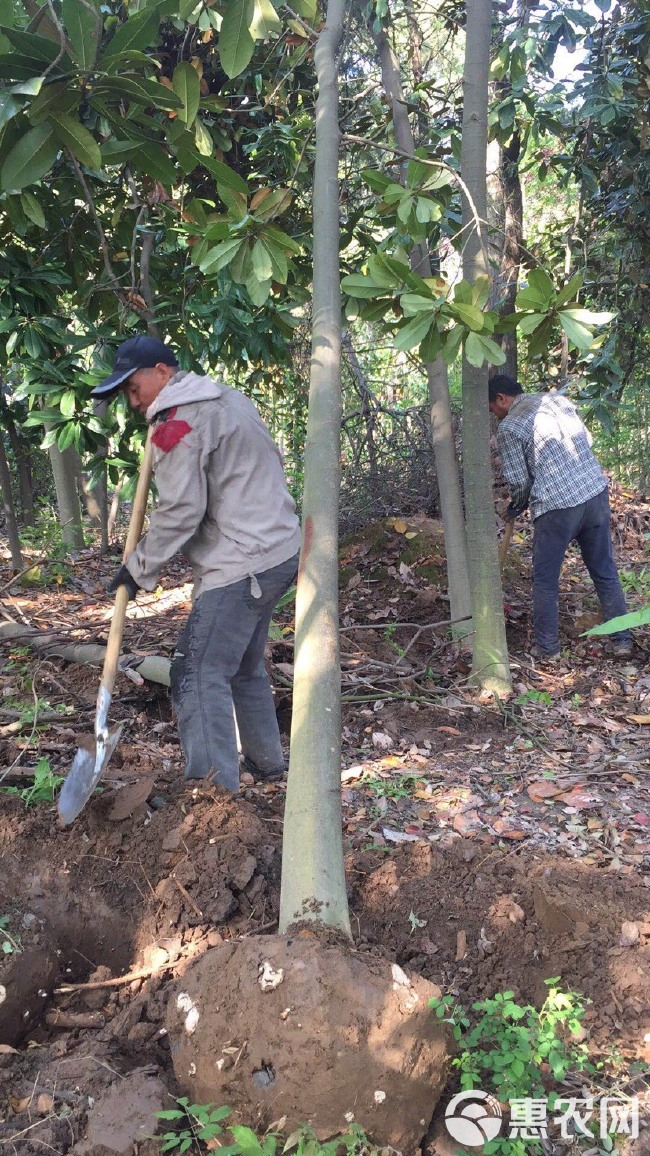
[[89, 764], [504, 544]]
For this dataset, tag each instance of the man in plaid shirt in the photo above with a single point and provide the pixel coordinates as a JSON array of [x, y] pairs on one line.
[[549, 466]]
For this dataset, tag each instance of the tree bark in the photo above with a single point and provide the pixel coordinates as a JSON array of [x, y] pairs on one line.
[[490, 668], [67, 499], [21, 454], [442, 430], [11, 525], [313, 875]]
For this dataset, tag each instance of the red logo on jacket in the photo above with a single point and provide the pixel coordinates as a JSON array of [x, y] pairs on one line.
[[170, 432]]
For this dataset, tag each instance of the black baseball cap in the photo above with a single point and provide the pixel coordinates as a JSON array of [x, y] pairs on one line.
[[137, 353]]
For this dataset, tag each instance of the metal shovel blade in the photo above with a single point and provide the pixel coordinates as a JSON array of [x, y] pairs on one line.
[[85, 773]]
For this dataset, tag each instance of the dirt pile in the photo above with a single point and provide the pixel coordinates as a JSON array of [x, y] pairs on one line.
[[309, 1031]]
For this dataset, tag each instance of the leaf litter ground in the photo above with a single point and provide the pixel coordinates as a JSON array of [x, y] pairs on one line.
[[489, 846]]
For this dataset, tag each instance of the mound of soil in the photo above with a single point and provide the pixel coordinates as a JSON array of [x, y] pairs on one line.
[[131, 903]]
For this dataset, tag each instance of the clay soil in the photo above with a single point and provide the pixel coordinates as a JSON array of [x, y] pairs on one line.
[[489, 846]]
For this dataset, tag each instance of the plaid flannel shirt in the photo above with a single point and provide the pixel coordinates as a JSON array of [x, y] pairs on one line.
[[546, 454]]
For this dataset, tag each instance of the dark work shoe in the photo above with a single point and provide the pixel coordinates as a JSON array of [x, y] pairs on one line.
[[272, 776], [542, 656], [621, 647]]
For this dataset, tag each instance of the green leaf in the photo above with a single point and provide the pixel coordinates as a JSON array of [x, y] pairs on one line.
[[587, 317], [578, 334], [30, 159], [235, 41], [429, 350], [74, 136], [155, 162], [225, 177], [269, 203], [9, 108], [247, 1140], [187, 86], [136, 33], [266, 22], [569, 291], [469, 315], [540, 281], [356, 285], [144, 92], [414, 303], [279, 263], [29, 44], [474, 351], [527, 322], [83, 24], [220, 256], [307, 8], [375, 180], [262, 265], [52, 100], [623, 622], [452, 342], [413, 332], [32, 209], [202, 139], [531, 299], [67, 403], [258, 291], [66, 437]]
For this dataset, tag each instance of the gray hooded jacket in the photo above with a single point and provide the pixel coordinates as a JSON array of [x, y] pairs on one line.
[[223, 498]]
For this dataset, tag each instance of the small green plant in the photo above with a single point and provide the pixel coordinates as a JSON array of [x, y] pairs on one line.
[[397, 787], [636, 583], [198, 1124], [276, 633], [506, 1047], [193, 1123], [43, 788], [8, 943], [534, 697], [415, 922]]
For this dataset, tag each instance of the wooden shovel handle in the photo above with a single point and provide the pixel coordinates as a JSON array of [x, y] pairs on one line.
[[114, 644], [505, 543]]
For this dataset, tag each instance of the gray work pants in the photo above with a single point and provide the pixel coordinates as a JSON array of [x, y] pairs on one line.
[[218, 665]]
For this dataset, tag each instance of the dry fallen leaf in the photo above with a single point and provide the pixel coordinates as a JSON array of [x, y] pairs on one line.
[[448, 731], [641, 719], [467, 823], [400, 526], [542, 789], [504, 829]]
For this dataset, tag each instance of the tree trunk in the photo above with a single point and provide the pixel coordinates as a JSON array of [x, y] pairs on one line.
[[21, 454], [11, 525], [67, 499], [513, 229], [490, 668], [313, 876], [101, 489], [442, 430]]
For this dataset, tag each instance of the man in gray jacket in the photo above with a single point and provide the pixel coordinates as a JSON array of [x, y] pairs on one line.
[[223, 501]]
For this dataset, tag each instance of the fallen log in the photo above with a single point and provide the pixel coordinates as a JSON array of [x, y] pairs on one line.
[[151, 668]]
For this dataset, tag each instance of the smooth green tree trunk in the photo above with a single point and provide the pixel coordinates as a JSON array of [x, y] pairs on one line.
[[442, 429], [313, 876], [11, 525], [64, 472], [490, 668]]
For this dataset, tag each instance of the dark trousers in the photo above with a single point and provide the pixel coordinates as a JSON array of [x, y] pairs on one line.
[[587, 524], [218, 672]]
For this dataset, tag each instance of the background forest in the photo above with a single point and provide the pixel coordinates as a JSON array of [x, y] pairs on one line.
[[156, 166]]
